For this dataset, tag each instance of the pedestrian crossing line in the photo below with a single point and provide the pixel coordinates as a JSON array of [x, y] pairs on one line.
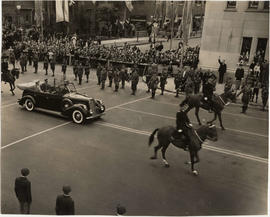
[[64, 124], [172, 118], [211, 148], [224, 112]]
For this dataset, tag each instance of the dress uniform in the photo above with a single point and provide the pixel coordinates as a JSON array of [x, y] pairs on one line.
[[163, 80], [103, 77], [246, 91], [116, 79], [64, 67], [46, 64], [35, 61], [52, 63], [153, 83], [80, 73], [177, 82], [99, 69], [123, 76], [87, 69], [134, 81], [75, 69]]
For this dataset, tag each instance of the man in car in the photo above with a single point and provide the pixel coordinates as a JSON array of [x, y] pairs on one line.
[[45, 87]]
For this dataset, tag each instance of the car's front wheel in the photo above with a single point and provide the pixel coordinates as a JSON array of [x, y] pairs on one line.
[[29, 105], [78, 117]]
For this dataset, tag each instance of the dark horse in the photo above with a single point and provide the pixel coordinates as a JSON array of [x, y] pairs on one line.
[[10, 77], [219, 101], [197, 137]]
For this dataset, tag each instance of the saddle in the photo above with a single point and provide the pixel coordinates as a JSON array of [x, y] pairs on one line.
[[179, 139]]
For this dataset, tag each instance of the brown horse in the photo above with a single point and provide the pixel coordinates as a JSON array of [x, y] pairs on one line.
[[197, 137], [219, 101], [10, 78]]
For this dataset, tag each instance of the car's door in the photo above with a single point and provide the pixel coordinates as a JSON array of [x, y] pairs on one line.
[[41, 99], [54, 101]]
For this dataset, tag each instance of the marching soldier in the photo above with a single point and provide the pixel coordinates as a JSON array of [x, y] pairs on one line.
[[246, 91], [177, 82], [64, 67], [153, 83], [134, 81], [148, 75], [110, 73], [123, 76], [80, 72], [23, 62], [163, 80], [53, 65], [99, 69], [75, 69], [87, 69], [103, 77], [46, 64], [35, 61], [116, 79]]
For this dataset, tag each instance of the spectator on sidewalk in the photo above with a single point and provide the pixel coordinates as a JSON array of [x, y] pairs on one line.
[[23, 191], [265, 93], [246, 91], [239, 74], [222, 70], [64, 203]]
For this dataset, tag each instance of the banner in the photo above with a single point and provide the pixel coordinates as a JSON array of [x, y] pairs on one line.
[[129, 5], [38, 12], [62, 12]]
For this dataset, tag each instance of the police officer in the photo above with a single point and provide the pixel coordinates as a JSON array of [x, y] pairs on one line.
[[163, 80], [116, 79], [87, 69], [35, 61], [153, 83], [134, 81], [110, 73], [103, 77], [177, 82], [99, 69], [52, 63], [123, 76], [64, 67], [80, 72], [46, 64], [246, 91], [75, 69]]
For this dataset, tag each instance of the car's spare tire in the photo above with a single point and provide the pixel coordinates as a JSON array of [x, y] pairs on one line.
[[78, 116], [29, 104]]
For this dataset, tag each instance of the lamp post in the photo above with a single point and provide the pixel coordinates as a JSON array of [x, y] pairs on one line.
[[172, 22], [18, 13]]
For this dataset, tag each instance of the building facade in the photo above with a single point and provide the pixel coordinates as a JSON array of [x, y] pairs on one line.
[[234, 28]]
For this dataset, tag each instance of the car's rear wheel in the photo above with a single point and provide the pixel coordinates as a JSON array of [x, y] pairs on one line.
[[29, 105], [78, 117]]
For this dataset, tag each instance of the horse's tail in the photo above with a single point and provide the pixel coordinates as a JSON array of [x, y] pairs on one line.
[[151, 138]]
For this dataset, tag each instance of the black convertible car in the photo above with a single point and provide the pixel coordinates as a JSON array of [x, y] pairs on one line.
[[61, 98]]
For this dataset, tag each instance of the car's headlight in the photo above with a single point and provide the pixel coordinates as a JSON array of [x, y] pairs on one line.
[[91, 111]]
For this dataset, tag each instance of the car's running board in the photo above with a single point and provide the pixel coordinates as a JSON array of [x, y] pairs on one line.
[[51, 112]]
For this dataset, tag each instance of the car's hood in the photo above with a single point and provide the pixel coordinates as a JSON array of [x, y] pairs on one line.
[[77, 96]]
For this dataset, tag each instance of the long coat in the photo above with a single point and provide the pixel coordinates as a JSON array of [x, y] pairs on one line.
[[23, 189], [64, 205]]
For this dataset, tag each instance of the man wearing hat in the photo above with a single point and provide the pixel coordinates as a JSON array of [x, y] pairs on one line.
[[64, 203], [23, 191]]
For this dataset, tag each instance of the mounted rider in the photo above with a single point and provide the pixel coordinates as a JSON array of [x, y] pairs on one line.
[[208, 91]]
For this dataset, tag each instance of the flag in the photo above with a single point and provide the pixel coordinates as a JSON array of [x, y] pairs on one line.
[[62, 12], [129, 5], [38, 12], [186, 20]]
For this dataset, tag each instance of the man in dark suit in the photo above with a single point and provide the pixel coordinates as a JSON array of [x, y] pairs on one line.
[[23, 191], [222, 70], [64, 203]]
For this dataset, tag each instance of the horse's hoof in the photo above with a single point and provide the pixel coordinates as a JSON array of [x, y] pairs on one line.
[[153, 158], [167, 165], [195, 172]]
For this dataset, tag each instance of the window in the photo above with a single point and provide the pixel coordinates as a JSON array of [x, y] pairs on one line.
[[266, 5], [231, 4], [261, 48], [246, 46], [253, 4]]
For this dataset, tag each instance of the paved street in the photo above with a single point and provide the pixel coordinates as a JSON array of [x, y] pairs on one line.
[[106, 162]]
